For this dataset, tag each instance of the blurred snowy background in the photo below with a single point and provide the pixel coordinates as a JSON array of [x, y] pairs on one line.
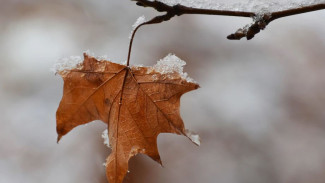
[[260, 110]]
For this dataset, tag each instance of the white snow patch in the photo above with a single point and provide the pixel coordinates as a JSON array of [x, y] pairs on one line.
[[172, 64], [105, 137], [102, 58], [195, 138], [139, 21], [67, 63], [123, 62], [137, 66], [74, 62], [89, 53], [99, 58]]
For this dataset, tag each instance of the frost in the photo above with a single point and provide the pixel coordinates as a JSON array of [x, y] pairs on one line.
[[195, 138], [99, 58], [106, 139], [172, 64], [137, 66], [73, 62], [68, 63], [244, 5], [102, 58], [139, 21], [123, 62], [89, 53]]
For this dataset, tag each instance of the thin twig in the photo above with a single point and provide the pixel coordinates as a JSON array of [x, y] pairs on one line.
[[131, 42], [155, 20], [248, 32]]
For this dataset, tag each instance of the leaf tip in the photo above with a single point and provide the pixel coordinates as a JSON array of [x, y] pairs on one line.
[[194, 137], [161, 164], [58, 139]]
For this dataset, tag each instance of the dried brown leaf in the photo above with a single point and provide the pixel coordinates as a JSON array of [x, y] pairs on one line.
[[137, 103]]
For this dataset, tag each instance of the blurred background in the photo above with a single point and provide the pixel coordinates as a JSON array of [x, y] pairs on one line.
[[260, 110]]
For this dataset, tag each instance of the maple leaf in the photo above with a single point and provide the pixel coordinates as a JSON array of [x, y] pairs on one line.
[[137, 103]]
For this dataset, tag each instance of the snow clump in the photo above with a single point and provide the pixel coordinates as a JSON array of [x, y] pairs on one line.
[[172, 64], [68, 63], [105, 137], [74, 62]]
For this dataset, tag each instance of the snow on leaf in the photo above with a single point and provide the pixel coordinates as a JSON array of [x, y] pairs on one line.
[[105, 137], [73, 62], [171, 64], [67, 63]]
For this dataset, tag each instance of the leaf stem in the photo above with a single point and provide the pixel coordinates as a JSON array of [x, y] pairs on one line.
[[131, 42], [155, 20]]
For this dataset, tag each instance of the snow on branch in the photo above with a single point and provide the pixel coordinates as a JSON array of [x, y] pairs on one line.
[[261, 16]]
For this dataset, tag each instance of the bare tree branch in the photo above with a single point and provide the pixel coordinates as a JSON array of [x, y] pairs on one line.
[[249, 31]]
